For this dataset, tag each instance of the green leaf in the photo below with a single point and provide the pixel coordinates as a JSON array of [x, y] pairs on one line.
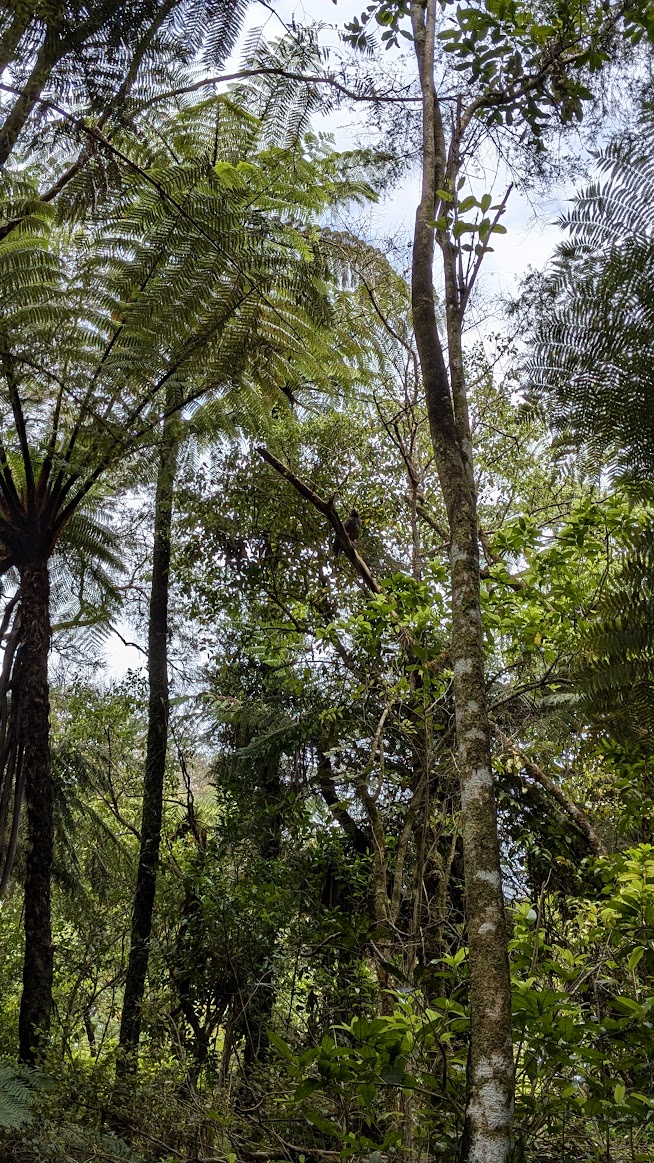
[[318, 1120], [461, 228], [644, 1098], [467, 204], [307, 1087], [635, 957], [281, 1046], [229, 175]]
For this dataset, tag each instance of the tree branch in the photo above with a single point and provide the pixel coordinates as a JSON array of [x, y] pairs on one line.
[[356, 834], [328, 510], [579, 818], [287, 75]]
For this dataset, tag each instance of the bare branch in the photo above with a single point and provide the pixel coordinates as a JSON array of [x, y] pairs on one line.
[[288, 75]]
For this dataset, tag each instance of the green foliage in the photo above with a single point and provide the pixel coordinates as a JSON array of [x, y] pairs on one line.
[[111, 59], [15, 1097], [198, 271], [617, 651], [597, 993], [308, 985], [523, 64], [592, 372], [364, 1065], [591, 368]]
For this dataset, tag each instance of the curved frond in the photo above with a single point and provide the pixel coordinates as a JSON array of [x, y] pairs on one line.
[[592, 361]]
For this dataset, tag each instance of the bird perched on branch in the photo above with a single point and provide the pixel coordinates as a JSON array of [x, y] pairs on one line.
[[352, 526]]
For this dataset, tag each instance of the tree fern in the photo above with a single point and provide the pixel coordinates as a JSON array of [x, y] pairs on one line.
[[101, 59], [593, 343], [199, 275], [617, 665], [592, 371]]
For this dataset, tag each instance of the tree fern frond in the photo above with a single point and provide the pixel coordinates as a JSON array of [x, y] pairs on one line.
[[592, 358], [16, 1094], [617, 669]]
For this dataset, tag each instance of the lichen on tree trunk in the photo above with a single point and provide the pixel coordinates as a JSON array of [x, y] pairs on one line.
[[489, 1107]]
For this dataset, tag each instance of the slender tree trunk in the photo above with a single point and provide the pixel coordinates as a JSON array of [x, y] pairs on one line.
[[155, 760], [258, 1010], [489, 1108], [36, 1000]]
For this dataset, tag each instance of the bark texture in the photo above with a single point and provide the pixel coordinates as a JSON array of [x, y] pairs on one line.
[[155, 760], [489, 1109], [36, 1000]]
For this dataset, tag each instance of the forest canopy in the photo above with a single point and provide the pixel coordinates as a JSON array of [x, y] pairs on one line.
[[326, 602]]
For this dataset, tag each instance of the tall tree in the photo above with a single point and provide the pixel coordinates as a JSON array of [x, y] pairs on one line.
[[283, 191], [517, 68], [180, 283], [157, 741]]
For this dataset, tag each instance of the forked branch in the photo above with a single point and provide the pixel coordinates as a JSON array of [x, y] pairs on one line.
[[327, 508]]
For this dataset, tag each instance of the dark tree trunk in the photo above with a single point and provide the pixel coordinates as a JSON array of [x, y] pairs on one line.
[[36, 1001], [49, 53], [155, 760], [259, 1008]]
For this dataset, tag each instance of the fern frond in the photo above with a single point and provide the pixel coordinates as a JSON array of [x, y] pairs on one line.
[[592, 361], [16, 1094], [617, 672]]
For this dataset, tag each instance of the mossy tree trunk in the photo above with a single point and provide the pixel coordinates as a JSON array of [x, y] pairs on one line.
[[489, 1107]]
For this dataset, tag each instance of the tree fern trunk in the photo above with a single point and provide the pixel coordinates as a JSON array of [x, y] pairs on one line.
[[36, 1000], [155, 760]]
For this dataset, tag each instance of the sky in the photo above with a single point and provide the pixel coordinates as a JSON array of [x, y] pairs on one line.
[[531, 235], [532, 232]]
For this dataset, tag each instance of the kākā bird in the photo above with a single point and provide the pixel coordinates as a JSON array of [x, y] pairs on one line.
[[352, 526]]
